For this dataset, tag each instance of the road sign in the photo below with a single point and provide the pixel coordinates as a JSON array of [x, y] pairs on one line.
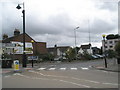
[[32, 57], [16, 65]]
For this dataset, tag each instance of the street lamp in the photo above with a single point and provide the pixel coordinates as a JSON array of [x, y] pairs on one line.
[[75, 42], [32, 56], [24, 62], [104, 50]]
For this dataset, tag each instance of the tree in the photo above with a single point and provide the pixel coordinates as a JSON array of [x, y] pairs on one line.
[[77, 48], [117, 49], [117, 36], [86, 55], [70, 54], [110, 36], [110, 53]]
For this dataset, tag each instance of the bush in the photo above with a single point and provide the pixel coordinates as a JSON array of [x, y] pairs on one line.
[[112, 36], [111, 54], [46, 57], [87, 56]]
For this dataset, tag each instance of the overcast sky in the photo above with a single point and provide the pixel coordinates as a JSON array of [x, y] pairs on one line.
[[54, 21]]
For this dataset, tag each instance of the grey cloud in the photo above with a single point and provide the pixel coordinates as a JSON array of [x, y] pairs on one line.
[[57, 24], [98, 26], [102, 26], [57, 28], [108, 5]]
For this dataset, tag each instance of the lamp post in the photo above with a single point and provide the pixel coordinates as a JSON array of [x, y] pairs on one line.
[[75, 42], [32, 56], [104, 50], [24, 61]]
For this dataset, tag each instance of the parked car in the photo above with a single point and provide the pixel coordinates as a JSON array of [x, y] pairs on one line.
[[56, 59], [100, 56], [59, 58], [95, 57]]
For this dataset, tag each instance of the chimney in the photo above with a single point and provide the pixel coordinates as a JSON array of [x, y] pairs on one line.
[[5, 36], [16, 32]]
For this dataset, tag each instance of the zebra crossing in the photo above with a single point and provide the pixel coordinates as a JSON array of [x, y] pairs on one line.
[[63, 68]]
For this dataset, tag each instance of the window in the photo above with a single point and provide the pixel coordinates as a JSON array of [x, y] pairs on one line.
[[105, 42], [116, 42], [111, 46], [105, 46], [110, 42]]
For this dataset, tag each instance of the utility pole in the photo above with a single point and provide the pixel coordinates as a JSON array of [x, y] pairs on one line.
[[75, 42]]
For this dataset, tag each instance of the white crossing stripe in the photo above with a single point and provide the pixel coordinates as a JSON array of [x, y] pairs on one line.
[[84, 68], [16, 74], [41, 68], [62, 68], [7, 76], [73, 68], [52, 69]]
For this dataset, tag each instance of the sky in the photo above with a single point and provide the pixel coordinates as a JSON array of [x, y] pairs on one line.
[[54, 21]]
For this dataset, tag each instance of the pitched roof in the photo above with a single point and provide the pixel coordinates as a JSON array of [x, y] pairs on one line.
[[61, 48], [7, 40], [86, 46], [95, 48]]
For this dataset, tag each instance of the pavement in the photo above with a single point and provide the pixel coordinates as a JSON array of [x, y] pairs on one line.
[[21, 69], [112, 68]]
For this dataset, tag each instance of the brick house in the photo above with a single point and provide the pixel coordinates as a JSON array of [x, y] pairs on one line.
[[37, 47]]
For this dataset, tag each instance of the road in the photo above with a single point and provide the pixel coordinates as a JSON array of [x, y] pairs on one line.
[[62, 75]]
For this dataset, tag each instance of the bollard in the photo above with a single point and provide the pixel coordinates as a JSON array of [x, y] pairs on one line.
[[16, 65]]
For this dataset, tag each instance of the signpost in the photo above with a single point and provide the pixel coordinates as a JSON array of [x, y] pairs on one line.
[[32, 58], [16, 65]]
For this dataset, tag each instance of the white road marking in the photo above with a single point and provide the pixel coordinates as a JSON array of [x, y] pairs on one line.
[[52, 65], [52, 68], [85, 80], [41, 68], [105, 71], [84, 68], [110, 83], [75, 78], [90, 66], [54, 80], [62, 68], [7, 76], [75, 83], [92, 81], [16, 74], [73, 68], [48, 75]]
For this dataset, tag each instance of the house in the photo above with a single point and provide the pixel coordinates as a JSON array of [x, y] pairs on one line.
[[58, 51], [85, 49], [96, 50], [14, 45]]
